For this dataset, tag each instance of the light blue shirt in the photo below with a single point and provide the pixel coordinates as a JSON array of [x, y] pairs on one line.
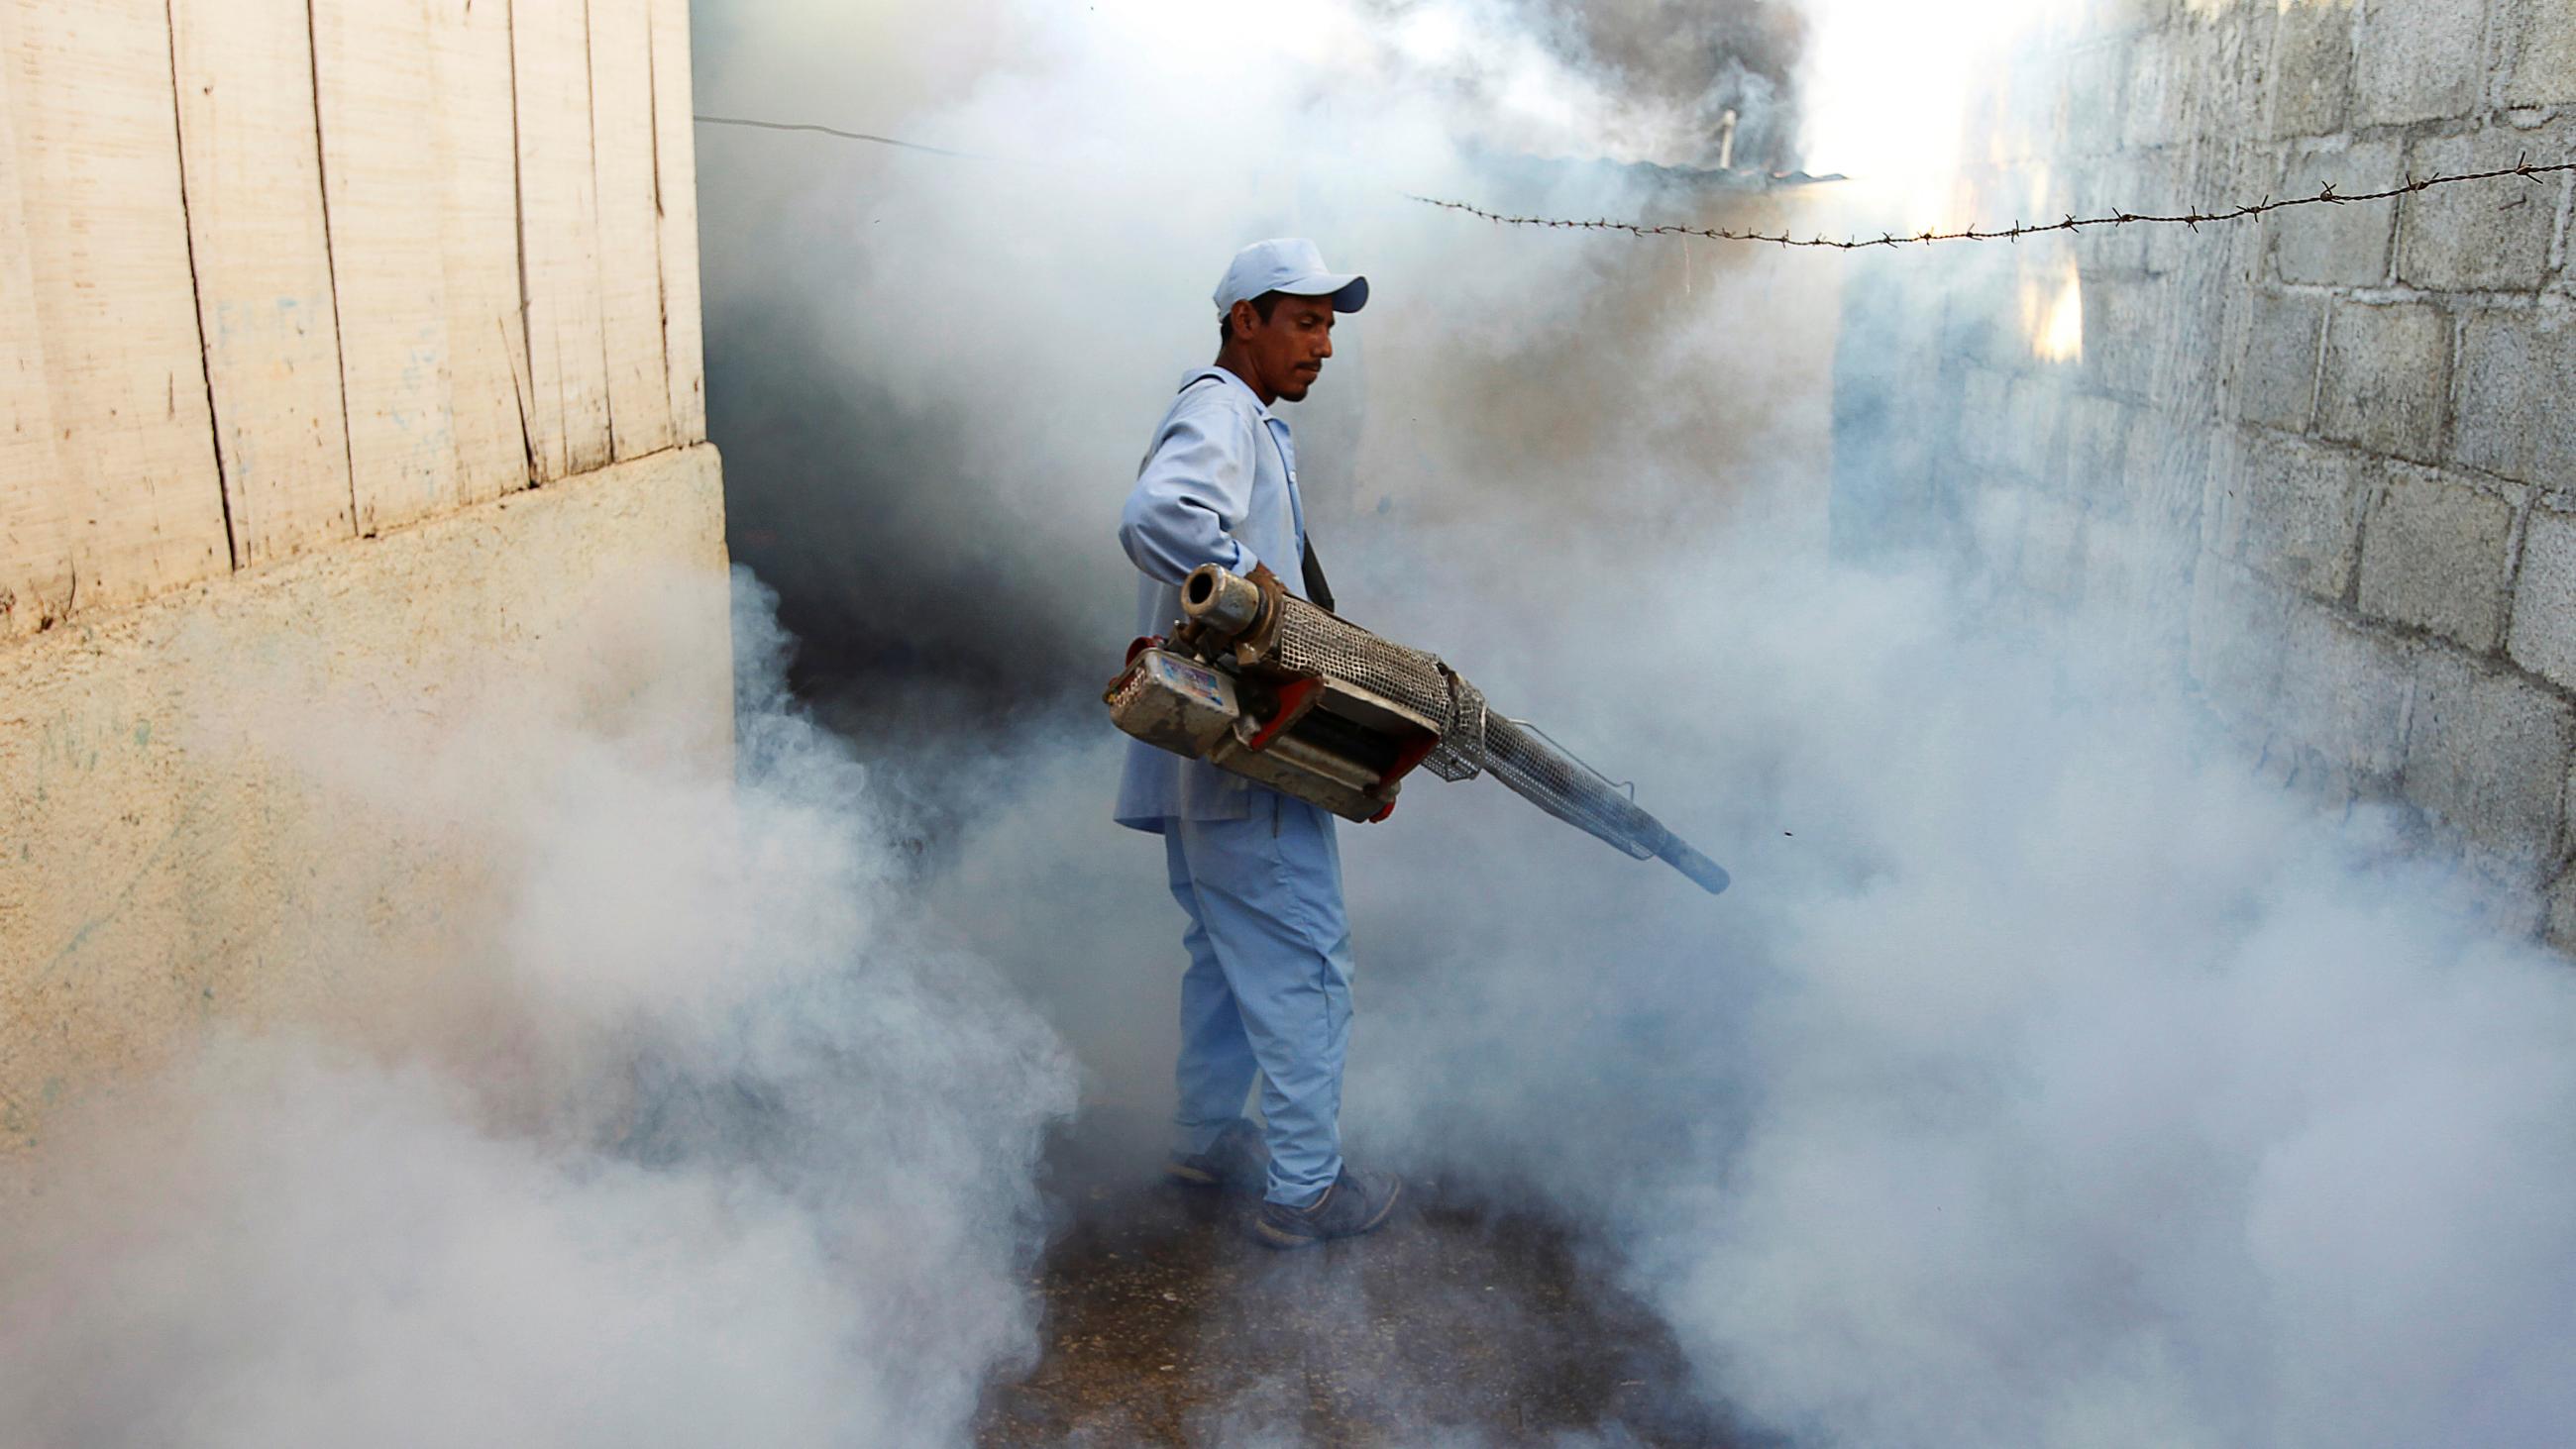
[[1218, 485]]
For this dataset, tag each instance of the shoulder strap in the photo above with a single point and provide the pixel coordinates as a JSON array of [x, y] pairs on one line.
[[1317, 590]]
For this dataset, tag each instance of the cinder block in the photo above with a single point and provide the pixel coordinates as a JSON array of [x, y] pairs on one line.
[[2160, 66], [2051, 561], [2386, 381], [2125, 323], [2418, 60], [2237, 621], [2293, 510], [1886, 293], [2562, 907], [2335, 245], [2344, 696], [2028, 96], [1962, 337], [2139, 580], [2487, 753], [2171, 471], [2515, 371], [1876, 508], [1971, 324], [2092, 77], [2490, 236], [2122, 571], [2179, 179], [1935, 419], [2544, 599], [2031, 416], [1998, 516], [2102, 187], [2542, 53], [1983, 415], [1896, 513], [2435, 555], [2312, 68], [2135, 17], [2277, 384], [2092, 457]]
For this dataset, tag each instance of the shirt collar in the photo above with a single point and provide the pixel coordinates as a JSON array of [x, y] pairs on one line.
[[1238, 384]]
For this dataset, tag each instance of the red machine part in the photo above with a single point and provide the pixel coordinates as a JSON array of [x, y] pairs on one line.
[[1414, 754], [1295, 698]]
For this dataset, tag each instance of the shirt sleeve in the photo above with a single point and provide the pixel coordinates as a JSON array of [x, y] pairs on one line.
[[1195, 488]]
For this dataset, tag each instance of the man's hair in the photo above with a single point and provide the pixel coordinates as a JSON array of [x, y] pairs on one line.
[[1262, 307]]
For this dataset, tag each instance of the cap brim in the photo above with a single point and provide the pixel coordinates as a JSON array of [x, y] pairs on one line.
[[1349, 293]]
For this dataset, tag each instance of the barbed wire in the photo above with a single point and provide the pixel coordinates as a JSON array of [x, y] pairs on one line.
[[2329, 196]]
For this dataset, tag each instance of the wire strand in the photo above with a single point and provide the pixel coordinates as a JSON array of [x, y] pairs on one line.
[[2329, 196], [2070, 223], [832, 131]]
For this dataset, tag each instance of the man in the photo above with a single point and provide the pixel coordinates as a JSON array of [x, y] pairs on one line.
[[1258, 873]]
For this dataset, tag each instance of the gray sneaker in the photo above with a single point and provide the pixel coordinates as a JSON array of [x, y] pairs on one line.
[[1236, 1161], [1356, 1203]]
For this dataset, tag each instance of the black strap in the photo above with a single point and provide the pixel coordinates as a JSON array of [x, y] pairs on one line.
[[1317, 590]]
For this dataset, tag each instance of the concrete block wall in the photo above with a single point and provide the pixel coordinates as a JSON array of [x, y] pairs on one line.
[[2321, 458]]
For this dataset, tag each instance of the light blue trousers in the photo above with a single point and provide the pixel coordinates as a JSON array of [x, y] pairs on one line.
[[1269, 984]]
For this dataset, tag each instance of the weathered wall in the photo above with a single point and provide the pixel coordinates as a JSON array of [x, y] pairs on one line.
[[275, 275], [2317, 454], [175, 851], [297, 300]]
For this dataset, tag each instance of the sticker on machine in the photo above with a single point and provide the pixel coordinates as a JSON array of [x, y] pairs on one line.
[[1200, 683]]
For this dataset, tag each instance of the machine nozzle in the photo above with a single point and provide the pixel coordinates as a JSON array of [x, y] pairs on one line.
[[1707, 874], [1225, 604]]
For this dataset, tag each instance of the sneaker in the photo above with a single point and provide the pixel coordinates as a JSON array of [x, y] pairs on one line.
[[1356, 1203], [1236, 1161]]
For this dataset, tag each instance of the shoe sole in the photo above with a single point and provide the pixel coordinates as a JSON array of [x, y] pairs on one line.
[[1272, 1236], [1190, 1176]]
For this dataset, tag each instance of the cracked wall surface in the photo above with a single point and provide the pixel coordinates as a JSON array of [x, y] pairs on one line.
[[2318, 457]]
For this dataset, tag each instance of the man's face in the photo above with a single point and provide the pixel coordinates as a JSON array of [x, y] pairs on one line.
[[1288, 351]]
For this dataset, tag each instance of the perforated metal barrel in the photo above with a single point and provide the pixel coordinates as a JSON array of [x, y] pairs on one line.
[[1310, 642], [1566, 788]]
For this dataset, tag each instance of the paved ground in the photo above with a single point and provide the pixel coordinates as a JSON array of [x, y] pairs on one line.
[[1454, 1325]]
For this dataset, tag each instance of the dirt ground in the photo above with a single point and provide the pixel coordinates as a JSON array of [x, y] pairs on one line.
[[1456, 1324]]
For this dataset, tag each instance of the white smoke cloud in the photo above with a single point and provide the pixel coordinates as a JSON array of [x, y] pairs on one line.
[[2047, 1078], [675, 1129], [2054, 1083]]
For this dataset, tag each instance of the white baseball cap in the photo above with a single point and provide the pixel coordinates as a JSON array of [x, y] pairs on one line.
[[1288, 264]]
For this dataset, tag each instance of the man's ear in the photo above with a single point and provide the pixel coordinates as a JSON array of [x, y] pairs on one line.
[[1243, 319]]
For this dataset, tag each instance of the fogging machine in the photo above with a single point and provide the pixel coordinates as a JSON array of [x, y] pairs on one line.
[[1284, 692]]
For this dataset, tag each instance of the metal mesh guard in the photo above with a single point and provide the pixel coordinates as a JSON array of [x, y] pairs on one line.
[[1568, 789], [1316, 643], [1460, 755], [1313, 642]]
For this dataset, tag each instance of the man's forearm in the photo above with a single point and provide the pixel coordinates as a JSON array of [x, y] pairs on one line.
[[1177, 517], [1166, 549]]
